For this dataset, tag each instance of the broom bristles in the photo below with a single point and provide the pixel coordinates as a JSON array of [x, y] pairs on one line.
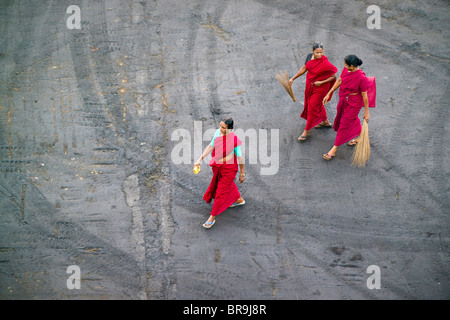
[[361, 154], [283, 78]]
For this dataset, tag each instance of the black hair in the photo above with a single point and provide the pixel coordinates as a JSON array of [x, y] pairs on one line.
[[317, 45], [352, 60], [229, 122]]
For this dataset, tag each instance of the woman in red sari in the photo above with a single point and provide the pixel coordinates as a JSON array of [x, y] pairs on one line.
[[320, 78], [226, 155], [353, 86]]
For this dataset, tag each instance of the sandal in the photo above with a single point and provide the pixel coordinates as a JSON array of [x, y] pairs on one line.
[[302, 138], [352, 142], [322, 125], [328, 156], [208, 224], [237, 204]]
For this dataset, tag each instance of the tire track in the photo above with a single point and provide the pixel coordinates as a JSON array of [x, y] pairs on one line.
[[43, 237], [398, 138], [307, 230], [111, 106], [189, 58], [280, 244], [273, 205], [214, 103]]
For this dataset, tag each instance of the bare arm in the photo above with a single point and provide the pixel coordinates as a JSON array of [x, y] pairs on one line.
[[208, 149], [241, 166], [366, 106], [299, 73], [319, 83], [336, 85]]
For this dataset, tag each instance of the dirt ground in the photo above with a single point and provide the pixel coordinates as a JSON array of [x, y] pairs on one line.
[[93, 119]]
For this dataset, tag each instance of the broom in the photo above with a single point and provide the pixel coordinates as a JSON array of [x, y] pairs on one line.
[[283, 78], [361, 154]]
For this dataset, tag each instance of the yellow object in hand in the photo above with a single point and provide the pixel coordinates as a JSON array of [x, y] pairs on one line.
[[196, 169]]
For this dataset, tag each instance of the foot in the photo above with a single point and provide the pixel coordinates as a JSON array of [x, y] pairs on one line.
[[328, 156], [303, 136], [208, 224], [239, 202], [324, 124]]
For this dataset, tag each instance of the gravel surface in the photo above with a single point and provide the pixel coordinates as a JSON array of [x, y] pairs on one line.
[[100, 127]]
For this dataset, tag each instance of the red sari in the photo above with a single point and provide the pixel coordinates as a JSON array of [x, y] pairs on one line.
[[318, 70], [222, 188], [347, 123]]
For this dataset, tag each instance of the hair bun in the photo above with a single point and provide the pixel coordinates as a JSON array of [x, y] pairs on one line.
[[317, 45], [360, 62]]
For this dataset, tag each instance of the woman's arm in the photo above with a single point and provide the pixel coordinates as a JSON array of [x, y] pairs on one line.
[[241, 166], [366, 106], [319, 83], [336, 85], [299, 73], [208, 149]]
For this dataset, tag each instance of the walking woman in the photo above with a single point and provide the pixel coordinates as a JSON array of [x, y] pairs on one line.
[[320, 78], [353, 86], [226, 155]]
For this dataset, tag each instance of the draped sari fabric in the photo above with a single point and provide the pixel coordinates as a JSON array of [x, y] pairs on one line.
[[222, 188], [371, 91], [318, 70], [347, 124]]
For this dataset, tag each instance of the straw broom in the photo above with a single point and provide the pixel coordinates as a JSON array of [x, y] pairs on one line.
[[361, 154], [283, 78]]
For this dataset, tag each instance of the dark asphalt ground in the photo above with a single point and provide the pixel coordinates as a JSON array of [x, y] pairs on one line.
[[89, 121]]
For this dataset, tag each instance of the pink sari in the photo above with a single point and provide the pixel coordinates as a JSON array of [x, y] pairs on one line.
[[347, 123], [222, 188]]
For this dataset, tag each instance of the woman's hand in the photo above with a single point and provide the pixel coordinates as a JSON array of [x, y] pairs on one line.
[[241, 177], [318, 83], [198, 162], [326, 98], [291, 81], [366, 116]]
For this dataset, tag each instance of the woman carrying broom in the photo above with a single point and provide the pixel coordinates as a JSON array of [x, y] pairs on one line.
[[320, 78], [226, 152], [353, 86]]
